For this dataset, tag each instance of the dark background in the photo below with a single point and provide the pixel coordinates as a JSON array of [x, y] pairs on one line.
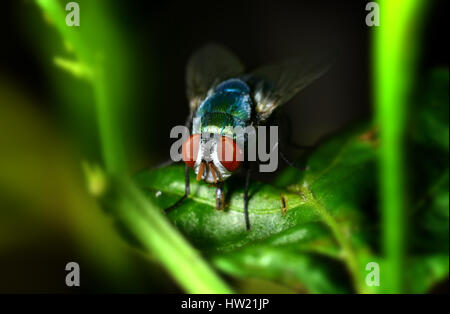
[[166, 33]]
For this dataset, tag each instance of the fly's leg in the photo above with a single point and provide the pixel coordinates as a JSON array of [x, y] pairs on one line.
[[283, 205], [163, 164], [247, 181], [187, 190], [187, 187], [290, 163], [299, 147], [220, 197]]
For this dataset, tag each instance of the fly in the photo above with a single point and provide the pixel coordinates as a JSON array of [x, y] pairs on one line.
[[221, 97]]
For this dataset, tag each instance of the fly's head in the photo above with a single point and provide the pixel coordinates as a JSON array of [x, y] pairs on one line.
[[214, 158]]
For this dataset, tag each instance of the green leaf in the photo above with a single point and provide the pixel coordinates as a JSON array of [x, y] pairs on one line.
[[218, 231], [430, 210], [426, 271], [321, 227], [304, 258], [430, 125], [301, 271]]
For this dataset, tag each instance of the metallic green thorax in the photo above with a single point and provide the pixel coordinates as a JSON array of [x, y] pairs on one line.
[[227, 107]]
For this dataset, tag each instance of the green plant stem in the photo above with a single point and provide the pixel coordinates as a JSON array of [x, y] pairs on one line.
[[157, 235], [395, 53], [112, 140], [108, 115]]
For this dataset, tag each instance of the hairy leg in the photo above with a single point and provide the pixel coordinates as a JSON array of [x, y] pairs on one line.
[[187, 190], [290, 163], [247, 181], [163, 164], [187, 187], [220, 197]]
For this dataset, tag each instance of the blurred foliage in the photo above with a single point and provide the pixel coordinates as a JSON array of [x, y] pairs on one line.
[[96, 57], [331, 228], [48, 218], [430, 155], [429, 177]]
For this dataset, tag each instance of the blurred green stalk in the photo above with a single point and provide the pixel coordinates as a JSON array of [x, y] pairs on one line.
[[143, 219], [157, 235], [396, 49], [91, 66]]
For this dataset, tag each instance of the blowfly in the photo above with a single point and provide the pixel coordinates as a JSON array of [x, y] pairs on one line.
[[221, 97]]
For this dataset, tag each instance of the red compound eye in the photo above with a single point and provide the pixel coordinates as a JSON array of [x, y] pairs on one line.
[[189, 150], [229, 153]]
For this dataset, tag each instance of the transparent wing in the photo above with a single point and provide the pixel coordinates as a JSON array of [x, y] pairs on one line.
[[206, 68], [274, 85]]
